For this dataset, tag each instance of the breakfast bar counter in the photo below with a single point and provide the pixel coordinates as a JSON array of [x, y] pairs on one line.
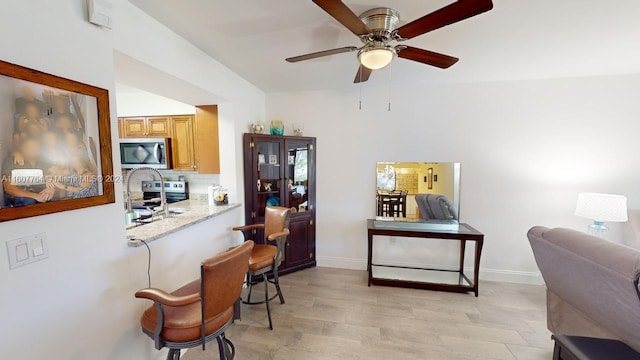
[[186, 213]]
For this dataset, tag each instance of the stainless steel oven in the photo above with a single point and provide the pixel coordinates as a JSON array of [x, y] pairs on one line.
[[174, 191], [152, 152]]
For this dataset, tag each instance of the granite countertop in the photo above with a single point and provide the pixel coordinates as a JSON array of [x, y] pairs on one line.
[[195, 211]]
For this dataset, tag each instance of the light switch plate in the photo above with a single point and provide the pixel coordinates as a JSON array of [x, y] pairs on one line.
[[27, 250]]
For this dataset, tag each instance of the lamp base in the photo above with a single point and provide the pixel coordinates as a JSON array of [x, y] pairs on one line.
[[598, 229]]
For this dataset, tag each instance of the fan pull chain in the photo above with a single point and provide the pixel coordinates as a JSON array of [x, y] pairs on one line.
[[390, 84], [360, 88]]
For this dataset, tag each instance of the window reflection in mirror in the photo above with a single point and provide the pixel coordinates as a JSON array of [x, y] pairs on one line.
[[298, 176], [427, 191]]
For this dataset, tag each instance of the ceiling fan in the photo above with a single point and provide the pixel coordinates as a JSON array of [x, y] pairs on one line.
[[377, 29]]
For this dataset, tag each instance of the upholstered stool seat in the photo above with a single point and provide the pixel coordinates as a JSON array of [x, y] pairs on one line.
[[262, 256]]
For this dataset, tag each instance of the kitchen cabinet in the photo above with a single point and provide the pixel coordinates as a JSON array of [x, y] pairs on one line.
[[183, 151], [141, 127], [194, 138], [206, 139], [281, 171]]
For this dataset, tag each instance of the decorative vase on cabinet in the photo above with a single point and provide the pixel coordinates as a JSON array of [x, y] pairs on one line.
[[290, 182]]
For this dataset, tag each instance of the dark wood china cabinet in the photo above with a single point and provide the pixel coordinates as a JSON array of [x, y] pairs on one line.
[[281, 171]]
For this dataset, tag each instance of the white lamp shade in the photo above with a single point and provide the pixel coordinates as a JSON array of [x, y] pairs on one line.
[[602, 207], [376, 59]]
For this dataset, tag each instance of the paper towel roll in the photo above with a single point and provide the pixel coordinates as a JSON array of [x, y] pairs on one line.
[[210, 190]]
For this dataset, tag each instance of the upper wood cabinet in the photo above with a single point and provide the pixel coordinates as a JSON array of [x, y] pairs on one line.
[[158, 126], [194, 138], [140, 127], [184, 157], [207, 145]]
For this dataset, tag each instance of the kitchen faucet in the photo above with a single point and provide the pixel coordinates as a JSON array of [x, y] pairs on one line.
[[163, 197]]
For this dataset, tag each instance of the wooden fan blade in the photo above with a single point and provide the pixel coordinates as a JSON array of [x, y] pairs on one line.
[[426, 57], [322, 53], [362, 75], [339, 11], [459, 10]]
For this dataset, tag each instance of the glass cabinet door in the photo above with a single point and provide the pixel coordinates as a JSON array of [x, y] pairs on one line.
[[297, 174], [267, 164]]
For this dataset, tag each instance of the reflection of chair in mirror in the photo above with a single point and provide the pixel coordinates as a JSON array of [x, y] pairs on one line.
[[435, 207], [398, 204], [392, 203], [296, 199], [381, 202]]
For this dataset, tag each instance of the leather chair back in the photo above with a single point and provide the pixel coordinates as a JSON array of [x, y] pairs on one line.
[[222, 279], [276, 219]]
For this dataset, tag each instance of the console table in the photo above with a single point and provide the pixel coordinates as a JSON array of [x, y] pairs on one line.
[[425, 278]]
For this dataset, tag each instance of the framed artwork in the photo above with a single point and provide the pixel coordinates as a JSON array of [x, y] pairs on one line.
[[273, 159], [55, 144]]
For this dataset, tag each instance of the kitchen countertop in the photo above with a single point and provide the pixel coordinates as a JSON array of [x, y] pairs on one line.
[[195, 211]]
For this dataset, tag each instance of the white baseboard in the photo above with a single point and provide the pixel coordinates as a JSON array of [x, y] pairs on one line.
[[341, 263], [512, 276]]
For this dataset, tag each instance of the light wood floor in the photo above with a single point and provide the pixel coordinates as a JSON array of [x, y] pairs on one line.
[[332, 314]]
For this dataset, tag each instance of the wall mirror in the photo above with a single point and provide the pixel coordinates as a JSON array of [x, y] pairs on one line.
[[426, 191]]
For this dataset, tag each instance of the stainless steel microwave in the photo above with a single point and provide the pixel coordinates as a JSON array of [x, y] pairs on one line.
[[152, 152]]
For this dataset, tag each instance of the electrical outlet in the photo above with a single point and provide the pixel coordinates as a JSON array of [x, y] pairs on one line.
[[392, 240], [133, 242]]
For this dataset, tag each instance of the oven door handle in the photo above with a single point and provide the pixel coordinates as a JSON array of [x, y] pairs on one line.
[[157, 154]]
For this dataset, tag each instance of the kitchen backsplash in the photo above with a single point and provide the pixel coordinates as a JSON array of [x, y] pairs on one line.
[[198, 183]]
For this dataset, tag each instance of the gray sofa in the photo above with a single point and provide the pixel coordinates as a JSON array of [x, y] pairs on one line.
[[592, 285]]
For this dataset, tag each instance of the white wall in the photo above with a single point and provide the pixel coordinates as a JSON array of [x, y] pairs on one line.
[[79, 303], [136, 102], [527, 149]]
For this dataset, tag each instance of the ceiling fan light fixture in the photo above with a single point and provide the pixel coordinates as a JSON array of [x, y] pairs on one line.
[[376, 58], [377, 28]]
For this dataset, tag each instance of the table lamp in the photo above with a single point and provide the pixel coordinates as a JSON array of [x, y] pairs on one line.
[[601, 208]]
